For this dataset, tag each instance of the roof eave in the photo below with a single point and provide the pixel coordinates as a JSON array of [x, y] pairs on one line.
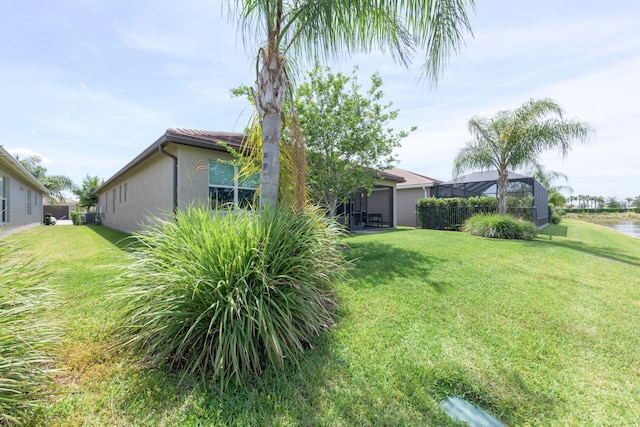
[[166, 139], [21, 171]]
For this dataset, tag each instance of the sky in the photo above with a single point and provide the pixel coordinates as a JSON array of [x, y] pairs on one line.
[[89, 84]]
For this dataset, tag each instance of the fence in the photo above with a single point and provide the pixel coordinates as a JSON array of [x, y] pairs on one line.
[[452, 217]]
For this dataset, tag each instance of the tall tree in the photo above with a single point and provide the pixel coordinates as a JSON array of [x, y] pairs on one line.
[[288, 31], [549, 179], [86, 198], [56, 184], [629, 200], [515, 139], [347, 134]]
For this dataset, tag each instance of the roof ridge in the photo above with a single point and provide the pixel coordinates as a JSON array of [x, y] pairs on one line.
[[200, 132]]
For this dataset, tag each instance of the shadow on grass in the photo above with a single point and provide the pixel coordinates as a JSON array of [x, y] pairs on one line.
[[324, 390], [377, 264], [610, 253], [554, 230], [119, 239]]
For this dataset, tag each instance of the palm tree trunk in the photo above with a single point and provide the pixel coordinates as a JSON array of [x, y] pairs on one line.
[[503, 184], [272, 84]]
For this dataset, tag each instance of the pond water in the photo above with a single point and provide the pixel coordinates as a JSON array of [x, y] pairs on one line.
[[624, 226]]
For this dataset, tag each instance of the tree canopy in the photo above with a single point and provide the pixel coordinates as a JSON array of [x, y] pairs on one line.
[[515, 139], [86, 198], [346, 132], [56, 184], [287, 32]]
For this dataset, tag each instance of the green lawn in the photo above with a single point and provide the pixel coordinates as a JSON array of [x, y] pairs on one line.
[[536, 333]]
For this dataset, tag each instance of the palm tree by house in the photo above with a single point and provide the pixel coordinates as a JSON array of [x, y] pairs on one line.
[[515, 139], [289, 31]]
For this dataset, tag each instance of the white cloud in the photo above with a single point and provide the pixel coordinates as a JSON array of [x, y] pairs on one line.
[[23, 152]]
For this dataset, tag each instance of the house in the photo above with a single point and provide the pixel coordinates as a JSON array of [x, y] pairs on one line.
[[379, 208], [414, 187], [21, 196], [186, 166], [61, 209]]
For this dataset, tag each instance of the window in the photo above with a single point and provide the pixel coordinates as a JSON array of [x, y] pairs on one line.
[[114, 200], [125, 192], [4, 203], [120, 196], [226, 190], [28, 202], [106, 202]]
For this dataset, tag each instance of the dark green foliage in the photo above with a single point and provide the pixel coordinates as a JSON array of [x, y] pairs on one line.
[[450, 213], [556, 218], [498, 226], [347, 134], [76, 217], [25, 339], [86, 196], [222, 295]]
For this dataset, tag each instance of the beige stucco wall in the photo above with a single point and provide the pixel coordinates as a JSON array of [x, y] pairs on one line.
[[407, 198], [18, 193], [150, 187], [149, 193], [193, 173]]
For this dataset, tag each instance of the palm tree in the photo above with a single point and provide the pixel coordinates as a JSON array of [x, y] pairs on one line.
[[549, 178], [629, 200], [86, 196], [56, 184], [288, 31], [515, 139]]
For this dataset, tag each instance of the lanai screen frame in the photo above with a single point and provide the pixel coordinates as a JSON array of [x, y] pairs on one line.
[[469, 186]]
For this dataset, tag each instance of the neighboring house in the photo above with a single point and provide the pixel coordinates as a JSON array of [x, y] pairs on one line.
[[60, 210], [414, 187], [186, 166], [21, 196], [378, 209]]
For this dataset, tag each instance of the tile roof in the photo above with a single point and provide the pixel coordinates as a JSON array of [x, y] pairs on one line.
[[232, 138], [412, 178], [200, 138]]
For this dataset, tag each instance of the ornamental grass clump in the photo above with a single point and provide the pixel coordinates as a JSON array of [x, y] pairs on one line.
[[26, 341], [496, 226], [220, 295]]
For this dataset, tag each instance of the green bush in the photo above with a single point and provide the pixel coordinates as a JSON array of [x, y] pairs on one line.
[[222, 295], [556, 218], [498, 226], [76, 217], [25, 340]]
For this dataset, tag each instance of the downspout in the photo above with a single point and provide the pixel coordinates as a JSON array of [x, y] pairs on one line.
[[175, 177]]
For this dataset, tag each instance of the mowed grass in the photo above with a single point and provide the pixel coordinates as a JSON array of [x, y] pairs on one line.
[[541, 332]]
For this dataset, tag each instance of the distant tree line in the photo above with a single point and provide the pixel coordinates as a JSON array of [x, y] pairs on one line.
[[593, 203]]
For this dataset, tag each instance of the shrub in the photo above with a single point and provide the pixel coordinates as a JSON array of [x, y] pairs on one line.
[[76, 217], [25, 339], [47, 219], [555, 218], [500, 227], [223, 295]]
